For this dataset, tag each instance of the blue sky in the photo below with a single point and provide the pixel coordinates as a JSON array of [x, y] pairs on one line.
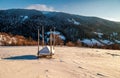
[[108, 9]]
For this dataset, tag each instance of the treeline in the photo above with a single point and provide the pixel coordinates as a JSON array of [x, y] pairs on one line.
[[17, 40]]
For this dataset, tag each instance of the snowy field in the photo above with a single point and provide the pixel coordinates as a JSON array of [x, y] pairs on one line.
[[68, 62]]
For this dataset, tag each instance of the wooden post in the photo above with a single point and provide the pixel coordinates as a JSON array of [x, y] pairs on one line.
[[42, 36], [54, 39], [38, 41], [51, 41]]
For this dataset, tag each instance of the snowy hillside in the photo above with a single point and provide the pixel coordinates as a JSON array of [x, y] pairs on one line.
[[87, 30]]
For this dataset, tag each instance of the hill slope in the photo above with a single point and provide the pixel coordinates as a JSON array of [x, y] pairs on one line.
[[73, 27]]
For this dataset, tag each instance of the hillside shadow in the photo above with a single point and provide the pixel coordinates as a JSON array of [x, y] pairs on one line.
[[23, 57]]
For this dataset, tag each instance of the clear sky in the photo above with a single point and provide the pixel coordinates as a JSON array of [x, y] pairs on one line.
[[108, 9]]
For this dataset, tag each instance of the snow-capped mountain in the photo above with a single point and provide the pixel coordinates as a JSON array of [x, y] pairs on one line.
[[88, 30]]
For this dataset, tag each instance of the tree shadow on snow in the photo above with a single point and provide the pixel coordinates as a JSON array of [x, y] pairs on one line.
[[23, 57]]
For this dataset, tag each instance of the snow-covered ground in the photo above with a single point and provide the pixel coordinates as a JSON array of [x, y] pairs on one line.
[[68, 62]]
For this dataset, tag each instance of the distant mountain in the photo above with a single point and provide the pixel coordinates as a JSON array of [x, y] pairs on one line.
[[88, 30]]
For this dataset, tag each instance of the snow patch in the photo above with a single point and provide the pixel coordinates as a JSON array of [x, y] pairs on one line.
[[87, 41], [57, 33], [91, 42], [99, 34], [24, 18], [117, 41], [108, 42], [62, 37], [114, 34], [95, 42], [73, 21]]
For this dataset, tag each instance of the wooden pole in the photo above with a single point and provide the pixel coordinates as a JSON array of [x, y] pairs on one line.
[[54, 39], [51, 41], [42, 36], [38, 41]]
